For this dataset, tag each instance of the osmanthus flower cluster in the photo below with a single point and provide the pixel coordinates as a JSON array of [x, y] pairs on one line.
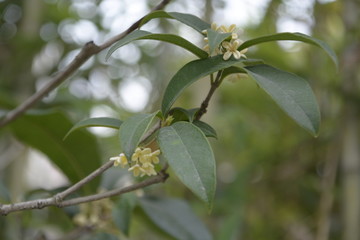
[[229, 46], [142, 163]]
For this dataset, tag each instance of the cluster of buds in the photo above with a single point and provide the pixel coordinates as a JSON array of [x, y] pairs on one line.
[[94, 214], [142, 161], [229, 46]]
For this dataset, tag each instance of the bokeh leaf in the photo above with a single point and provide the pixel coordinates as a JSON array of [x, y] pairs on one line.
[[292, 93], [96, 122], [122, 212], [170, 38], [295, 37], [188, 19], [175, 217], [132, 131], [191, 72], [190, 155], [77, 156]]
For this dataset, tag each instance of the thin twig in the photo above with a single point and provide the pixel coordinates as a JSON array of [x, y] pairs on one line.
[[214, 85], [53, 201], [60, 196], [86, 52]]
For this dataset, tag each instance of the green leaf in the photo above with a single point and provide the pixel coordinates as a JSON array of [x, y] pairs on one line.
[[292, 93], [295, 37], [76, 157], [182, 114], [206, 128], [188, 19], [215, 39], [190, 155], [96, 122], [191, 72], [176, 218], [170, 38], [132, 131], [122, 212]]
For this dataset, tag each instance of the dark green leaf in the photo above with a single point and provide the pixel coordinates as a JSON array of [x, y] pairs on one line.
[[76, 157], [295, 37], [292, 93], [188, 19], [191, 72], [96, 122], [215, 39], [176, 218], [182, 114], [170, 38], [206, 128], [122, 212], [132, 131], [190, 155], [234, 69]]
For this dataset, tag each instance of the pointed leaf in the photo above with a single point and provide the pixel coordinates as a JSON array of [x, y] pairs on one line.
[[295, 37], [190, 155], [191, 72], [170, 38], [188, 19], [96, 122], [176, 218], [77, 156], [215, 39], [132, 131], [208, 130], [292, 93]]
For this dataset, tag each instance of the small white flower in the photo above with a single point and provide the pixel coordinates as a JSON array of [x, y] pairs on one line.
[[229, 29], [120, 160], [231, 49], [136, 169]]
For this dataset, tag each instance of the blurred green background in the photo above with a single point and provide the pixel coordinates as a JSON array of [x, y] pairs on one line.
[[275, 181]]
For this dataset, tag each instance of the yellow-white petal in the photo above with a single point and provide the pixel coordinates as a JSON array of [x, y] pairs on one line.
[[237, 54], [227, 55]]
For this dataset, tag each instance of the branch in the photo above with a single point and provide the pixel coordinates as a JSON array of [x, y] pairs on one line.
[[86, 52], [56, 201], [214, 85]]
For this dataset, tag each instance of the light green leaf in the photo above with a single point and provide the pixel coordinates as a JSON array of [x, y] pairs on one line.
[[295, 37], [208, 130], [176, 218], [191, 72], [96, 122], [188, 19], [132, 131], [292, 93], [170, 38], [215, 39], [190, 155], [77, 156]]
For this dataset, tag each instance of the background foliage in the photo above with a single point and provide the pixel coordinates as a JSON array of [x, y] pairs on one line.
[[275, 181]]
